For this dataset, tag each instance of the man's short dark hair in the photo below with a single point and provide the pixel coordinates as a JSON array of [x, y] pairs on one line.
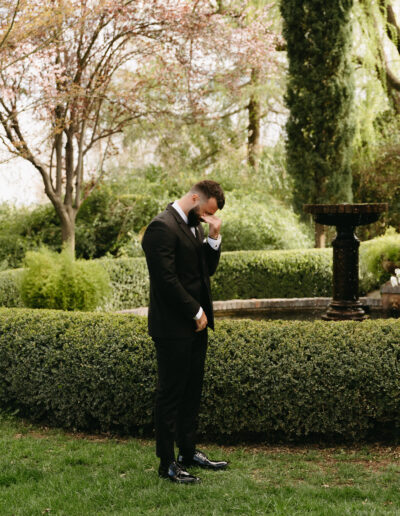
[[210, 189]]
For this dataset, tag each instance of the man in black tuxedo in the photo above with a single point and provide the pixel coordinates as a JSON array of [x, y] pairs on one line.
[[180, 262]]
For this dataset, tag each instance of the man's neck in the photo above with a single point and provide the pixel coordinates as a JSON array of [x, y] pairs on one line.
[[182, 206], [180, 211]]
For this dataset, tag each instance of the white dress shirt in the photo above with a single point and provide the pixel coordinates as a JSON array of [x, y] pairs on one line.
[[214, 243]]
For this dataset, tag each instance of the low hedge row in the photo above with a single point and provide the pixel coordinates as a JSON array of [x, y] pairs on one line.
[[241, 275], [129, 282], [261, 274], [266, 274], [268, 380]]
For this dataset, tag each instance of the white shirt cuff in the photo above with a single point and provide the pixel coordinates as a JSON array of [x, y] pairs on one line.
[[199, 314], [214, 243]]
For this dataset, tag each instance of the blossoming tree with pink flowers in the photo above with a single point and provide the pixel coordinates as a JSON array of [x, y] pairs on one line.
[[75, 73]]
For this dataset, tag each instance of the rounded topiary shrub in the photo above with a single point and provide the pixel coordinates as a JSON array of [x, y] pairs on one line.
[[57, 280]]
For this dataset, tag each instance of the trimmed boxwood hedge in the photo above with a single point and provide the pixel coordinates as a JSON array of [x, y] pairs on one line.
[[266, 274], [129, 282], [268, 380], [240, 275]]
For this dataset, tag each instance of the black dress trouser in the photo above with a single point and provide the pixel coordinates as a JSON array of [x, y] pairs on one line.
[[180, 381]]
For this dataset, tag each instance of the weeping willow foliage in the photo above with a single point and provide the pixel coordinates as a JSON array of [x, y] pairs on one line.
[[372, 90], [320, 93], [375, 49], [375, 166]]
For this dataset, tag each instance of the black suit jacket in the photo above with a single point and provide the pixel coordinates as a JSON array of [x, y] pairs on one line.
[[180, 266]]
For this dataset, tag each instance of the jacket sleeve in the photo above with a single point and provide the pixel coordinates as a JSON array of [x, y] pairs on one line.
[[159, 246], [212, 257]]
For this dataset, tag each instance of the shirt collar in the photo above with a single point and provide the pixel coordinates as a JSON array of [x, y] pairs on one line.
[[175, 205]]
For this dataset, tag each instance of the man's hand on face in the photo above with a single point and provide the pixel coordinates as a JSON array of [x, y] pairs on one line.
[[214, 225], [202, 322]]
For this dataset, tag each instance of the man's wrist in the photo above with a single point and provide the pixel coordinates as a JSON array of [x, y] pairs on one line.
[[214, 237]]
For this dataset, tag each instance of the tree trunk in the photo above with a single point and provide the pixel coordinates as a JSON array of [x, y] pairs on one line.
[[68, 235], [67, 217], [254, 109], [319, 235]]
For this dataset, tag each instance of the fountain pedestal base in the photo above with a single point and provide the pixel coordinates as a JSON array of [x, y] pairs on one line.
[[345, 310]]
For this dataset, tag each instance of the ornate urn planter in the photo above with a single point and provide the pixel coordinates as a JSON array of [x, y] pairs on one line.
[[346, 217]]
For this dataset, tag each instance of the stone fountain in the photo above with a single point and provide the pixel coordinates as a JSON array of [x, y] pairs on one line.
[[346, 217]]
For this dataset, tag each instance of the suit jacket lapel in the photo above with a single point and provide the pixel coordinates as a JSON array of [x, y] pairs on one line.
[[182, 224]]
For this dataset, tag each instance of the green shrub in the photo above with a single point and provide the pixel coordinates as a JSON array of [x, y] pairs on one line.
[[281, 379], [24, 229], [251, 222], [109, 222], [240, 275], [256, 274], [10, 284], [265, 274], [375, 254], [129, 281], [56, 280]]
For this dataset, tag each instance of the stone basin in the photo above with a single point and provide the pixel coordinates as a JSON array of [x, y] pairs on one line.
[[346, 214]]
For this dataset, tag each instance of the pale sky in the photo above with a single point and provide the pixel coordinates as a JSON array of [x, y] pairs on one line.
[[20, 183]]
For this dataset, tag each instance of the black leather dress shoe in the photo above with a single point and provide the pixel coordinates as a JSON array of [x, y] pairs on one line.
[[202, 461], [177, 473]]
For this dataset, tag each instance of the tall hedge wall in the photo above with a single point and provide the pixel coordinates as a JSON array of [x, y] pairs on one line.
[[263, 379]]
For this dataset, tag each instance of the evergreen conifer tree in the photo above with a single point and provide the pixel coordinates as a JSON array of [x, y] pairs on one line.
[[320, 91]]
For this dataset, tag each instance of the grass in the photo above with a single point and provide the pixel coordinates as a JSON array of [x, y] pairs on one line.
[[49, 471]]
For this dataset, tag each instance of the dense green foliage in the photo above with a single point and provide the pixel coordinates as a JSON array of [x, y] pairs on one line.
[[129, 281], [112, 217], [57, 280], [10, 293], [378, 257], [111, 221], [262, 379], [376, 173], [25, 229], [265, 274], [319, 95], [261, 222], [240, 274]]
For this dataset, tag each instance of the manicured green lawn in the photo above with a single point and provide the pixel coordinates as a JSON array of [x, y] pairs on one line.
[[48, 471]]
